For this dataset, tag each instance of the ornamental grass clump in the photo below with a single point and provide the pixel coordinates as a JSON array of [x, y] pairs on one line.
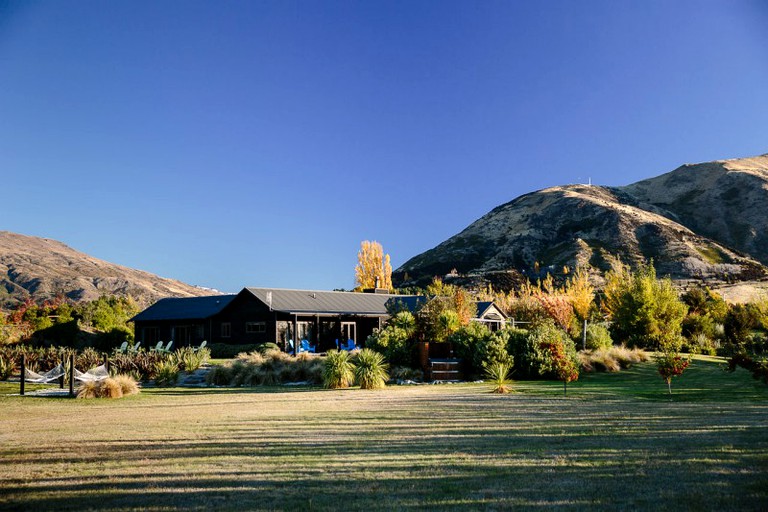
[[338, 371], [613, 359], [112, 387], [370, 370], [127, 383], [498, 375]]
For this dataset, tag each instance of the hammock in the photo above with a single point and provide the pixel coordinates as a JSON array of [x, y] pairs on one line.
[[44, 378], [92, 375]]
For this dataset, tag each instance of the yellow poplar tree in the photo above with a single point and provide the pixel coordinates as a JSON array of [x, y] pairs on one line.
[[372, 264], [581, 292]]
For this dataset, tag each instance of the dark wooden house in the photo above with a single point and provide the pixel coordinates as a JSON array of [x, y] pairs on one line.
[[260, 315]]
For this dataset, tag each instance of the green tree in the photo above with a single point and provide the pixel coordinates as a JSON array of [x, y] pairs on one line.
[[645, 311]]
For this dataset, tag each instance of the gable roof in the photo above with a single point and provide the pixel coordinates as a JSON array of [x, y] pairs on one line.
[[322, 302], [187, 308], [484, 307]]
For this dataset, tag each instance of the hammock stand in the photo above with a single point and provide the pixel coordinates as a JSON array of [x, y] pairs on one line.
[[28, 375], [94, 374]]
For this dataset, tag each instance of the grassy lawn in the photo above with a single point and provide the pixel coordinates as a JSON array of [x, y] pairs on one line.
[[616, 441]]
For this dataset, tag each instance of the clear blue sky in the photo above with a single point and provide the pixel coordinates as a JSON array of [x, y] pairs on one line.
[[232, 144]]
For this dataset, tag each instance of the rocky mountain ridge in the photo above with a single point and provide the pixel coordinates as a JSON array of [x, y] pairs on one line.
[[701, 221]]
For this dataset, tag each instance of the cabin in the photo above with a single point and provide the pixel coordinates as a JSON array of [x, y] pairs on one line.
[[261, 315], [490, 315], [319, 320]]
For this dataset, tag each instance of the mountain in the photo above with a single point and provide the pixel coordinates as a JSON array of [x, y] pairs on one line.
[[725, 200], [40, 268], [703, 221]]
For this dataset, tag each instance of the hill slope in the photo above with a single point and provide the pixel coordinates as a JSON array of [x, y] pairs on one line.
[[40, 268], [726, 200], [579, 224]]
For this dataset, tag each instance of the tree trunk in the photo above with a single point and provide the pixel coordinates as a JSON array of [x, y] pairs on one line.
[[584, 335]]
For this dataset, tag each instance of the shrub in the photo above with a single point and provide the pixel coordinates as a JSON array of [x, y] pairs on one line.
[[338, 371], [492, 349], [394, 341], [532, 350], [189, 360], [598, 337], [370, 369], [87, 359], [220, 375], [273, 367], [498, 375], [142, 365], [268, 347], [306, 367], [166, 373], [5, 368], [701, 344], [478, 347]]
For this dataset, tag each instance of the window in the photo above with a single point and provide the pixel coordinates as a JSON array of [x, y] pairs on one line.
[[255, 327], [226, 330], [200, 331]]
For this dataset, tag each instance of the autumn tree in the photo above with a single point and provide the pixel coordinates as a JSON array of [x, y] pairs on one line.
[[373, 268], [581, 294]]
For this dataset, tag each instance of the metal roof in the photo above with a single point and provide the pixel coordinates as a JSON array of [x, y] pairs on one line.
[[321, 302], [187, 308]]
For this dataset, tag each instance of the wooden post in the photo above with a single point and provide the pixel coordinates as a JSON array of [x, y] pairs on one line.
[[295, 334], [23, 374], [106, 362], [71, 374], [584, 335]]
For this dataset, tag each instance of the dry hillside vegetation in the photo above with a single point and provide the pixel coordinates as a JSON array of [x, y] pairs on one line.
[[702, 221], [40, 268]]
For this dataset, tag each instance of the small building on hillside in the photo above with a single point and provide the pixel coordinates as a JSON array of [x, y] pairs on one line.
[[261, 315], [489, 314]]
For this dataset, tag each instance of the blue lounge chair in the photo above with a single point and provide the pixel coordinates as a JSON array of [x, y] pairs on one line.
[[306, 347]]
